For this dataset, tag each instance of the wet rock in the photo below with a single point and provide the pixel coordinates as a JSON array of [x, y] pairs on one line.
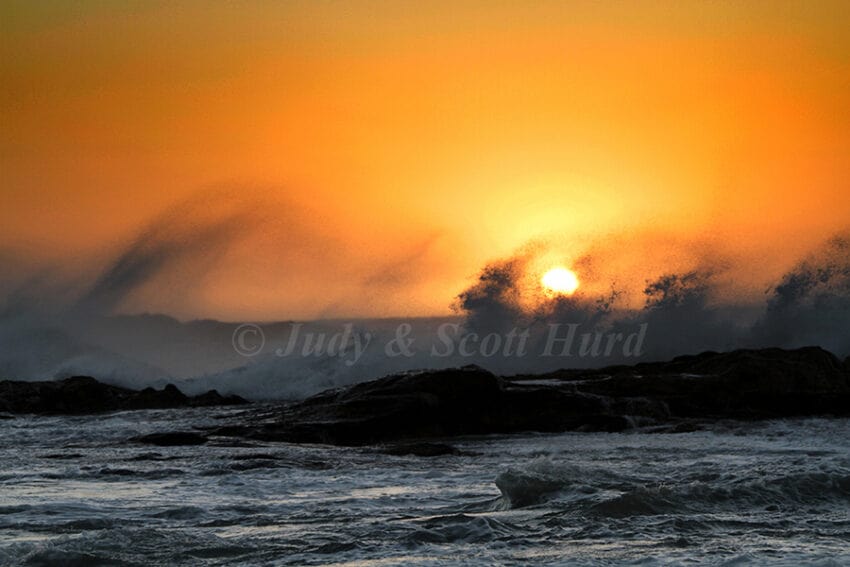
[[63, 456], [445, 403], [685, 428], [435, 405], [743, 384], [213, 398], [421, 449], [172, 439], [84, 395]]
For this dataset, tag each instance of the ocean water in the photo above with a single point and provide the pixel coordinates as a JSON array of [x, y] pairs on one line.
[[74, 491]]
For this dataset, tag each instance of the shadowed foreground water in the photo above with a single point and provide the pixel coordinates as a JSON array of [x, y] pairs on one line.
[[74, 491]]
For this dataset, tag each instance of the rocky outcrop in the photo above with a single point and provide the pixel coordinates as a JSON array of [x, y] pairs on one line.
[[85, 395], [403, 411], [421, 449], [444, 403], [171, 439], [744, 384]]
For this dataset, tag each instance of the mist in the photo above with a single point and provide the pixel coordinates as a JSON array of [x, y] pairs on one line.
[[120, 321], [706, 305]]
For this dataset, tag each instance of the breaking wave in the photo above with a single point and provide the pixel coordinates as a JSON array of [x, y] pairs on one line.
[[601, 493], [46, 335]]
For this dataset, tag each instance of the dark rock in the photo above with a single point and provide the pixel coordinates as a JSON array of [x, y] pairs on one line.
[[168, 397], [147, 457], [421, 449], [172, 439], [743, 384], [254, 456], [680, 427], [685, 428], [63, 456], [213, 398], [670, 396], [85, 395]]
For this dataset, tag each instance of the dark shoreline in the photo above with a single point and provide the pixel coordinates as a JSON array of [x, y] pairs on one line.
[[741, 385], [83, 395], [670, 396]]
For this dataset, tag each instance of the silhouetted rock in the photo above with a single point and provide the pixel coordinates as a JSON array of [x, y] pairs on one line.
[[421, 449], [441, 403], [744, 384], [671, 396], [84, 395], [213, 398], [172, 439]]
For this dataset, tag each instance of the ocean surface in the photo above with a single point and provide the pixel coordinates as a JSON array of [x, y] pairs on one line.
[[74, 491]]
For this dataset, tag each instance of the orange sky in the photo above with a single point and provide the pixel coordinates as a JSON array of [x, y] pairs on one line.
[[392, 148]]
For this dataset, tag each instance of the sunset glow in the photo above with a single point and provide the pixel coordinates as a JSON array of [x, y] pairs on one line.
[[374, 150], [560, 280], [381, 282]]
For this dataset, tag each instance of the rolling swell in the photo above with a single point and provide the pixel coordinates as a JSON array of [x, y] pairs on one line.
[[774, 492], [771, 494], [602, 494]]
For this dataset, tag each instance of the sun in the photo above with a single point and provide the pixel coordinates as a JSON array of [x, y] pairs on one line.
[[560, 280]]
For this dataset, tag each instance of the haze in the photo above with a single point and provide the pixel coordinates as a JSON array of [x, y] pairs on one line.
[[324, 159]]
